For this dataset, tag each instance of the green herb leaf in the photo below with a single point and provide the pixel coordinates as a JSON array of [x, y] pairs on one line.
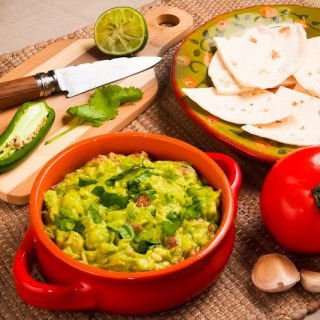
[[93, 214], [109, 183], [104, 102], [173, 216], [152, 241], [96, 115], [112, 229], [116, 94], [140, 246], [86, 181], [113, 200], [98, 191], [172, 225], [135, 189], [78, 227], [169, 228], [67, 224], [194, 211], [64, 224], [126, 231], [123, 173], [150, 193], [168, 198], [169, 174], [103, 105]]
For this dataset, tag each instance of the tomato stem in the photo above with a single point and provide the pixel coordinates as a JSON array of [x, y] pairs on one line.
[[316, 193]]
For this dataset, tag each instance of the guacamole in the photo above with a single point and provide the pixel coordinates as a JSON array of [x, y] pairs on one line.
[[129, 213]]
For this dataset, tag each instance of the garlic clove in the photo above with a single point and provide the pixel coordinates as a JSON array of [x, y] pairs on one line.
[[274, 273], [310, 280]]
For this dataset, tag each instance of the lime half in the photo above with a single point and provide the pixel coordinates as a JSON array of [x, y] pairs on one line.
[[121, 31]]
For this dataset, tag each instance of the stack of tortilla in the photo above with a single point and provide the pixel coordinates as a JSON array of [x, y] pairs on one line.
[[253, 75]]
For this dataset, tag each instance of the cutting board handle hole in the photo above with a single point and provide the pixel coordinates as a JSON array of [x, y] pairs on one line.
[[168, 20]]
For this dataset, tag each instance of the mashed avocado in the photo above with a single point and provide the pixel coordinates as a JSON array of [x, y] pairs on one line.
[[128, 213]]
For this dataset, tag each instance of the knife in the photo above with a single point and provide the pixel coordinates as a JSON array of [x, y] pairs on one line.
[[73, 79]]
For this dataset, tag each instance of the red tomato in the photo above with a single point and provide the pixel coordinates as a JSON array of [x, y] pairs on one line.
[[290, 201]]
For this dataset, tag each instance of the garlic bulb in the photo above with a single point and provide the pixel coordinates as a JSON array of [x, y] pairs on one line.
[[274, 273], [310, 280]]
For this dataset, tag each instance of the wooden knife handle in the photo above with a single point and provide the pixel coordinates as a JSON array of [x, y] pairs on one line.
[[26, 89]]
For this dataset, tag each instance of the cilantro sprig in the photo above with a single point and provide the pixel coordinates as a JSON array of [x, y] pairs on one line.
[[102, 106], [174, 222]]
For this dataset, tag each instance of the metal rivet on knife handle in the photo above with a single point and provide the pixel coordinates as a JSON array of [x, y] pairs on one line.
[[46, 83]]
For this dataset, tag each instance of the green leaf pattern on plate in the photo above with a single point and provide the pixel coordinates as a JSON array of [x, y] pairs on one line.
[[193, 57]]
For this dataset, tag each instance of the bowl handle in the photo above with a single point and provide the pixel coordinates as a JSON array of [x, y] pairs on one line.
[[231, 169], [44, 295]]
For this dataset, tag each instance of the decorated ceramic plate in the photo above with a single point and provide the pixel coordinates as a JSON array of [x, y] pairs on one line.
[[190, 64]]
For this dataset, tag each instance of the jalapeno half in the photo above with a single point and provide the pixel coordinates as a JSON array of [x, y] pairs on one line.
[[25, 131]]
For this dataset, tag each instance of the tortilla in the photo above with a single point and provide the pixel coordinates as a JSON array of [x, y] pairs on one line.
[[224, 81], [256, 107], [264, 56], [301, 89], [300, 129], [308, 74]]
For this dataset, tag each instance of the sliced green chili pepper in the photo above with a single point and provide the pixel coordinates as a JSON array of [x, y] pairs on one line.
[[25, 131]]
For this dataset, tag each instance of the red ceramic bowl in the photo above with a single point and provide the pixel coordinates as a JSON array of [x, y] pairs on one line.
[[72, 285]]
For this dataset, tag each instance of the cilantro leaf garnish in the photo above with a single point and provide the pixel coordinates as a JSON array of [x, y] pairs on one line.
[[83, 181], [126, 231], [98, 191], [153, 212], [113, 200], [173, 216], [68, 224], [174, 222], [169, 228], [142, 245], [102, 106], [110, 200], [117, 95], [93, 214], [194, 211], [95, 116], [123, 173]]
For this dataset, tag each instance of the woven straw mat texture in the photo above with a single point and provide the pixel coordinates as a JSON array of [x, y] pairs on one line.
[[232, 295]]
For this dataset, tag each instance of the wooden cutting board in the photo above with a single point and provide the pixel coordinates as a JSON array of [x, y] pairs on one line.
[[167, 26]]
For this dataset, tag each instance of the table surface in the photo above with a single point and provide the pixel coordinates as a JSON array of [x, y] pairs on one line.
[[46, 19], [42, 20]]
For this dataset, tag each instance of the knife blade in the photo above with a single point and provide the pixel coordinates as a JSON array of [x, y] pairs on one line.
[[72, 79]]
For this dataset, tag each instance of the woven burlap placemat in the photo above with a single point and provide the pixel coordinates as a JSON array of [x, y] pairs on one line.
[[232, 296]]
